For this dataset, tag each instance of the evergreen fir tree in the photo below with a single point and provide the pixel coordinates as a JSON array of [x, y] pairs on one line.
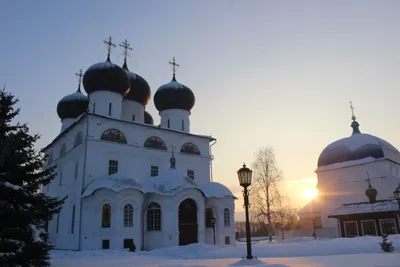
[[24, 211], [386, 245]]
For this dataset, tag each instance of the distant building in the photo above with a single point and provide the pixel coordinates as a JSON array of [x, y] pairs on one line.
[[345, 168], [125, 181]]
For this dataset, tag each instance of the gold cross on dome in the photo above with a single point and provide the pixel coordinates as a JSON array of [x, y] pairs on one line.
[[109, 44], [79, 75], [352, 111], [126, 46], [174, 65], [173, 148]]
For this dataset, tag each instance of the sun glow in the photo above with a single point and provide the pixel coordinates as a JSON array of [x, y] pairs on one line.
[[309, 193]]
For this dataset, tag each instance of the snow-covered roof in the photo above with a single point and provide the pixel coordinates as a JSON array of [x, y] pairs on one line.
[[170, 182], [347, 164], [77, 96], [216, 190], [359, 208], [114, 183], [172, 85], [101, 65]]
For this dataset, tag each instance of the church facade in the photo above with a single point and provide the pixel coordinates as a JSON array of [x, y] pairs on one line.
[[349, 171], [129, 181]]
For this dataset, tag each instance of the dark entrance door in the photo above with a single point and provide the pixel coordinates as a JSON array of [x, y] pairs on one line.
[[187, 222]]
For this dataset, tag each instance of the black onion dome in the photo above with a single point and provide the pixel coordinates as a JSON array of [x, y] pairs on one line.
[[356, 147], [140, 89], [106, 76], [73, 105], [148, 119], [174, 95]]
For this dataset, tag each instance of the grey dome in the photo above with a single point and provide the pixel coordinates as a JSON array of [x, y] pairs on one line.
[[357, 146], [72, 105]]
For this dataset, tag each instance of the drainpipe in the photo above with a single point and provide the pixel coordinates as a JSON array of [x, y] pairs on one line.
[[83, 181], [212, 158]]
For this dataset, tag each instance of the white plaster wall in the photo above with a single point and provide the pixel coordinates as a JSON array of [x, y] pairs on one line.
[[130, 108], [102, 100], [348, 185], [175, 117], [65, 123], [93, 233], [134, 160], [221, 231]]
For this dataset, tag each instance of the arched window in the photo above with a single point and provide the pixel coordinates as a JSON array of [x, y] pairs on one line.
[[78, 139], [190, 148], [209, 215], [63, 149], [114, 135], [128, 215], [106, 216], [154, 217], [155, 142], [227, 217]]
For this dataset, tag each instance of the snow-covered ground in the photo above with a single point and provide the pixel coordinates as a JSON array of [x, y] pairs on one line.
[[360, 252]]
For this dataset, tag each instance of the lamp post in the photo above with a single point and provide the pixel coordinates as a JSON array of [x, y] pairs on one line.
[[213, 226], [314, 234], [244, 175]]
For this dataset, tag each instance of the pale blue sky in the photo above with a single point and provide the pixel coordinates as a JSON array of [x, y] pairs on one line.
[[277, 73]]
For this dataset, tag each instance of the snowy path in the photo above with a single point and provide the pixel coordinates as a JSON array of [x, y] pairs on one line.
[[357, 260]]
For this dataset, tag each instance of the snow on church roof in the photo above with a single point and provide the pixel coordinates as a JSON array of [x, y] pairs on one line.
[[114, 183], [359, 208], [216, 190]]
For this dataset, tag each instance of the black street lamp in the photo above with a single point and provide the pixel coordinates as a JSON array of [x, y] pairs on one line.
[[314, 234], [213, 226], [244, 175]]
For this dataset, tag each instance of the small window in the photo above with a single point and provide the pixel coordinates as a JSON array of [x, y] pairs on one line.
[[190, 148], [105, 244], [154, 217], [190, 174], [128, 215], [61, 177], [106, 216], [78, 139], [351, 229], [128, 243], [183, 125], [369, 227], [114, 135], [154, 171], [109, 109], [112, 167], [63, 149], [155, 143], [388, 226], [227, 240], [227, 217], [73, 220], [133, 117], [76, 170], [94, 108], [169, 123], [57, 222], [209, 215]]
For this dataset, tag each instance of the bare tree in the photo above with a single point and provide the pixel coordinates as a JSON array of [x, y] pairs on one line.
[[266, 198]]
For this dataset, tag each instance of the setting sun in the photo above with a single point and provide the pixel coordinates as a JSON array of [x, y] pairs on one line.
[[309, 193]]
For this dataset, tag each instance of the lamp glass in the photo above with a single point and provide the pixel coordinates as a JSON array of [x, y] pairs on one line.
[[244, 175]]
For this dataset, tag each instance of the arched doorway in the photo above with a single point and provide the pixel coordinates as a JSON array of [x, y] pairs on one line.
[[187, 222]]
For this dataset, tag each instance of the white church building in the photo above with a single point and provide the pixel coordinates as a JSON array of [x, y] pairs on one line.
[[348, 169], [127, 180]]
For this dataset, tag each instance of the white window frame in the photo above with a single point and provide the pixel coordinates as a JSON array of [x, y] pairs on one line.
[[155, 169], [227, 217], [191, 176], [156, 224], [345, 232], [388, 219], [362, 226], [113, 166], [128, 215]]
